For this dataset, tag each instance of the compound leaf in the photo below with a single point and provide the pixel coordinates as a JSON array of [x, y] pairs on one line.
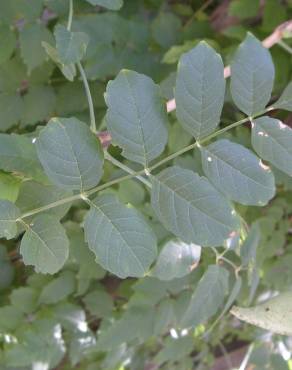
[[272, 140], [191, 208], [238, 173], [136, 116], [45, 245], [70, 154], [200, 89], [252, 76], [121, 239]]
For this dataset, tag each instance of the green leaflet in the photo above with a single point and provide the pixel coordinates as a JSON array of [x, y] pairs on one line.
[[119, 236], [200, 90], [71, 46], [8, 42], [191, 208], [58, 289], [249, 247], [207, 297], [285, 100], [272, 140], [18, 154], [24, 299], [238, 173], [45, 245], [109, 4], [9, 213], [11, 109], [31, 38], [273, 315], [9, 186], [252, 76], [70, 154], [176, 260], [136, 116]]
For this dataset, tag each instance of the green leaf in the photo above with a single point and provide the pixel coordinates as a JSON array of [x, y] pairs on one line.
[[109, 4], [176, 260], [9, 213], [45, 245], [31, 38], [274, 315], [71, 46], [252, 76], [136, 116], [166, 29], [238, 173], [244, 8], [200, 90], [285, 100], [34, 195], [45, 98], [69, 71], [11, 109], [119, 236], [249, 247], [10, 318], [272, 140], [58, 289], [175, 349], [99, 303], [191, 208], [70, 154], [18, 154], [9, 187], [8, 42], [24, 299], [208, 296]]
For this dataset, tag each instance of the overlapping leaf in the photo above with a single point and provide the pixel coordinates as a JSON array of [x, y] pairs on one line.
[[238, 173], [190, 207], [9, 213], [200, 89], [121, 239], [252, 76], [272, 140], [136, 116], [70, 154], [45, 245], [109, 4]]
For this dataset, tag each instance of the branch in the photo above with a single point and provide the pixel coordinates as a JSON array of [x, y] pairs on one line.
[[268, 42]]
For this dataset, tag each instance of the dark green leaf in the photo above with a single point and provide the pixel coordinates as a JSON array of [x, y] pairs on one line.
[[58, 289]]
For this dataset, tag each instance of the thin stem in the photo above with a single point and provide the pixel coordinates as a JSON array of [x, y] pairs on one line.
[[142, 172], [126, 169], [89, 97], [70, 17], [285, 46]]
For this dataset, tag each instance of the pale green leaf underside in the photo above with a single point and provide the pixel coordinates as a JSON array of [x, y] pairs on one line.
[[176, 260], [136, 116], [238, 173], [9, 213], [272, 140], [208, 296], [71, 46], [285, 100], [109, 4], [191, 208], [70, 154], [252, 76], [121, 239], [273, 315], [45, 245], [200, 90]]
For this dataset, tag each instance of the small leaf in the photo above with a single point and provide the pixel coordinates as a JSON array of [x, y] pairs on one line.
[[272, 140], [11, 110], [109, 4], [176, 260], [208, 296], [285, 100], [249, 247], [9, 213], [58, 289], [274, 315], [45, 245], [136, 116], [200, 90], [71, 46], [122, 241], [70, 154], [8, 42], [238, 173], [252, 76], [191, 208]]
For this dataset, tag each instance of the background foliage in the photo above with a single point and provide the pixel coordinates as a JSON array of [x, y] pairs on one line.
[[141, 311]]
